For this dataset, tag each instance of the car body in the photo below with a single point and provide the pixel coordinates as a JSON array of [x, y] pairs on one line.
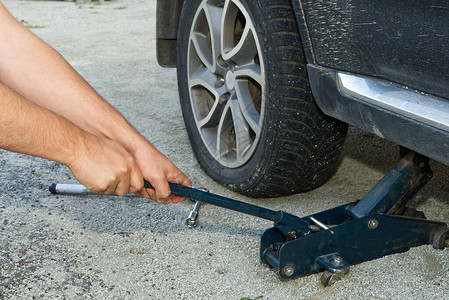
[[381, 66]]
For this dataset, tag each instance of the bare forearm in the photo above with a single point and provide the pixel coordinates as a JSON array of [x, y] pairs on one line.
[[52, 83], [30, 129]]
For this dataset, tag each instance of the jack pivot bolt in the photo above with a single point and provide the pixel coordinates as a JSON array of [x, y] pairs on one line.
[[288, 271], [373, 223]]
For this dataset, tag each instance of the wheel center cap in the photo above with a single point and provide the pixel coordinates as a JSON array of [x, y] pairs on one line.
[[230, 80]]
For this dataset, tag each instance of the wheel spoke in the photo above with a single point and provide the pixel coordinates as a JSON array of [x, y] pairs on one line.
[[245, 50], [209, 116], [213, 117], [225, 145], [241, 129], [206, 34], [213, 15], [233, 136], [203, 77], [202, 49], [203, 94], [247, 107], [252, 71]]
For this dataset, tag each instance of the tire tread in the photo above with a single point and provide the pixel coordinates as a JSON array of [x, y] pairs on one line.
[[307, 166]]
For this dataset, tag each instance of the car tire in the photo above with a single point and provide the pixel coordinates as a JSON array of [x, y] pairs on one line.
[[247, 105]]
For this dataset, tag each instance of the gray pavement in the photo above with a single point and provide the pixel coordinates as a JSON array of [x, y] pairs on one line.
[[103, 247]]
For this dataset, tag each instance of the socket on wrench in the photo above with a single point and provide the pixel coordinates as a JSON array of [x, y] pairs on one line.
[[191, 220]]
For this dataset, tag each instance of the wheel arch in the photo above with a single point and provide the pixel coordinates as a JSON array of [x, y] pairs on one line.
[[167, 20], [304, 33]]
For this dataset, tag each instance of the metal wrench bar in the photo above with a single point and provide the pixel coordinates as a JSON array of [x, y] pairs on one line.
[[221, 201], [190, 193], [288, 224]]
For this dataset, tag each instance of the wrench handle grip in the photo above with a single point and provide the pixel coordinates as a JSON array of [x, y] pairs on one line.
[[148, 185], [175, 189]]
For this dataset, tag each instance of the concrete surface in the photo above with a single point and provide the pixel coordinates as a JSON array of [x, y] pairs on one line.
[[100, 247]]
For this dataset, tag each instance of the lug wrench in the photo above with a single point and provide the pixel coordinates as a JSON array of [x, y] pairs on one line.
[[288, 224]]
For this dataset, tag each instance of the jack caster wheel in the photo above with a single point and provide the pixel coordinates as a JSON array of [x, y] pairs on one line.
[[441, 238], [328, 278]]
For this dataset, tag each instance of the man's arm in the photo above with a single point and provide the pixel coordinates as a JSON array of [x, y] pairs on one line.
[[40, 74], [37, 72], [30, 129]]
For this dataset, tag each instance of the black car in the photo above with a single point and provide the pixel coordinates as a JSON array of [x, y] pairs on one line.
[[268, 87]]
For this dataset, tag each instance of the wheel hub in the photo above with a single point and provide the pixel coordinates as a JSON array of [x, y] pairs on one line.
[[229, 80]]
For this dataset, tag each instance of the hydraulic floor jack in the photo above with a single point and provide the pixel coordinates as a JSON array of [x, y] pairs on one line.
[[332, 240]]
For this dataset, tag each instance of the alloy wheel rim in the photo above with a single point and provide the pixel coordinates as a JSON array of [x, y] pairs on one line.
[[226, 81]]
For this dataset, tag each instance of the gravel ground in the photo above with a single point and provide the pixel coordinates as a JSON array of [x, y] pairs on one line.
[[102, 247]]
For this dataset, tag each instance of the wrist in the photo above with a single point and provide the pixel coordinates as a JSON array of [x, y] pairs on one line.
[[78, 146]]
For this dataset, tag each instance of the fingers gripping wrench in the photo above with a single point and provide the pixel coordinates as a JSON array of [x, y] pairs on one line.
[[177, 190]]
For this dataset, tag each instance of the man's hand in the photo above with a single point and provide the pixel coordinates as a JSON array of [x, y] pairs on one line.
[[105, 166], [158, 170]]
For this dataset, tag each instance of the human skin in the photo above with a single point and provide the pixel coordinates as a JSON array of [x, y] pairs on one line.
[[64, 119]]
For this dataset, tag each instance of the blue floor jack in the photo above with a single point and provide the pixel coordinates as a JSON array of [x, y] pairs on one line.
[[377, 225]]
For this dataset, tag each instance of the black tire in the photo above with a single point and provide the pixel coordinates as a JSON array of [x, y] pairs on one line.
[[299, 147]]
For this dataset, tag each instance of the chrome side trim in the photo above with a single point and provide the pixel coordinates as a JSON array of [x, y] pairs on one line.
[[420, 107], [417, 121]]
